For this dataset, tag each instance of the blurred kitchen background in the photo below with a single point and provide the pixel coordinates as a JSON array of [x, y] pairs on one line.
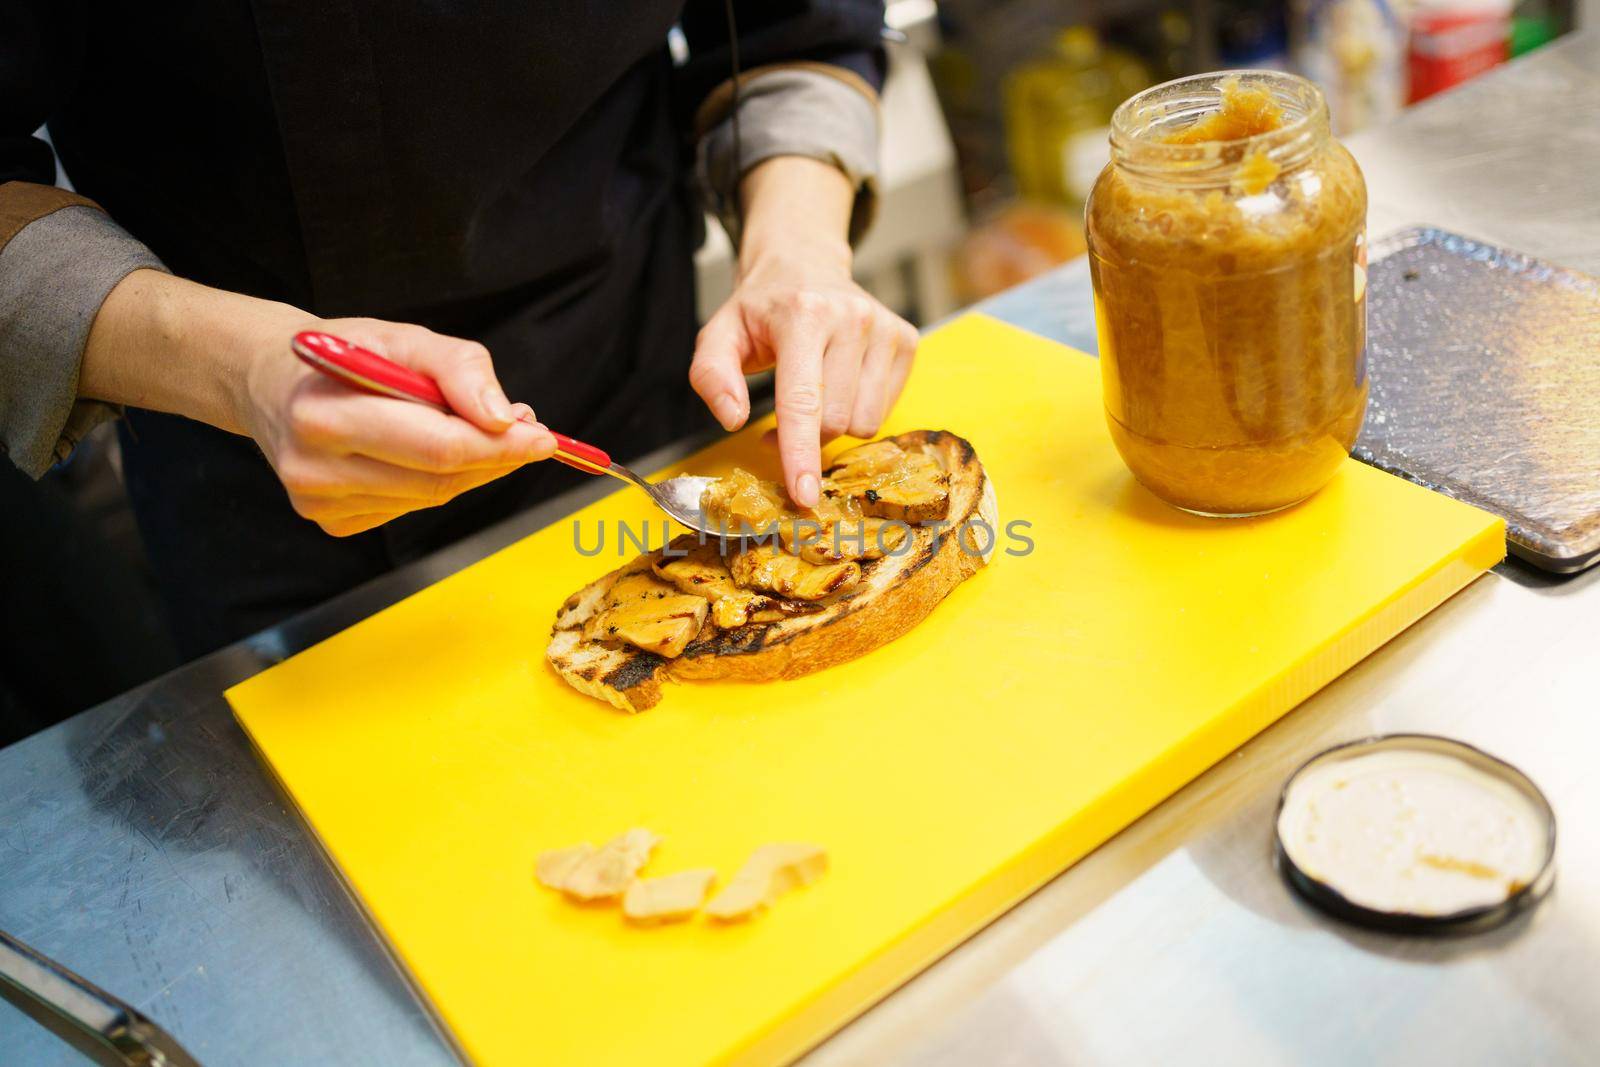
[[996, 111], [995, 117]]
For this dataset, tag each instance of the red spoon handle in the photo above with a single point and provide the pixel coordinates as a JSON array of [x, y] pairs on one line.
[[569, 448], [365, 369]]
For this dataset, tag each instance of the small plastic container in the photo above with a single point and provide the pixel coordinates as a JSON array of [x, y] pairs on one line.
[[1227, 246], [1454, 41]]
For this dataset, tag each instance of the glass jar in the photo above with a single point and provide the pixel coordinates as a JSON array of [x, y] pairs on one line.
[[1227, 246]]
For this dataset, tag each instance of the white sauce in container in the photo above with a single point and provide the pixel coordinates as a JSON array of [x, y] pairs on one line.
[[1413, 829]]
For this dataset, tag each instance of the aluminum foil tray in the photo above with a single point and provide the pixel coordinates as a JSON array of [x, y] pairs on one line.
[[1485, 370]]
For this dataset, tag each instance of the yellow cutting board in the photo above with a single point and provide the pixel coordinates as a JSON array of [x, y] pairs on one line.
[[1047, 703]]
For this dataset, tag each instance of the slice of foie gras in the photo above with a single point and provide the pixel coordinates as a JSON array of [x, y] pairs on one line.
[[599, 873], [669, 898], [770, 872], [553, 868]]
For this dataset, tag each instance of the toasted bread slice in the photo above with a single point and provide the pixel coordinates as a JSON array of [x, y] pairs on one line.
[[623, 676], [894, 593]]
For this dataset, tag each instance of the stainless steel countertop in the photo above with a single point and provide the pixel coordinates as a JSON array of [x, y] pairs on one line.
[[142, 845]]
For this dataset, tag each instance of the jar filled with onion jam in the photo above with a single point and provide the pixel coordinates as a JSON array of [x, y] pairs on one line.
[[1227, 241]]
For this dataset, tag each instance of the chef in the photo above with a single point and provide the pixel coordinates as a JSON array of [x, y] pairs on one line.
[[499, 195]]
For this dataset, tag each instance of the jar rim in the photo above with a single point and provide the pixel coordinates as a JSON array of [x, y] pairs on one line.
[[1176, 103]]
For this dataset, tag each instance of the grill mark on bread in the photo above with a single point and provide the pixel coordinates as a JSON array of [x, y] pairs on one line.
[[636, 669], [746, 639], [925, 555]]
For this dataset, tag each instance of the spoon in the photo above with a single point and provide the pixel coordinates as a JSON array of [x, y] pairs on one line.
[[365, 369]]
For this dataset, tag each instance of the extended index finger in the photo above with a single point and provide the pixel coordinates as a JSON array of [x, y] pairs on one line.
[[799, 408]]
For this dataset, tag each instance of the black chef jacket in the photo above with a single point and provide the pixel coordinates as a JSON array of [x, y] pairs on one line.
[[511, 172]]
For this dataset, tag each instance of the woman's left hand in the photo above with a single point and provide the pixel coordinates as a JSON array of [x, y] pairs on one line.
[[842, 358]]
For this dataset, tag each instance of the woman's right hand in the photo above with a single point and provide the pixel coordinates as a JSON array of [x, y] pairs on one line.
[[352, 460]]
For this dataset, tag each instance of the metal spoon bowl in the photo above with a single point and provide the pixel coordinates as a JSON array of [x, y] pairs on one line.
[[678, 497]]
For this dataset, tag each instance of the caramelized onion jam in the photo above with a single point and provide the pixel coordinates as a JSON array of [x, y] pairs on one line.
[[1227, 247], [798, 561]]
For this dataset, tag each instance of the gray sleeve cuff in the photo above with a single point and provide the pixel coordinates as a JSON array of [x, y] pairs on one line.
[[54, 275], [793, 112]]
